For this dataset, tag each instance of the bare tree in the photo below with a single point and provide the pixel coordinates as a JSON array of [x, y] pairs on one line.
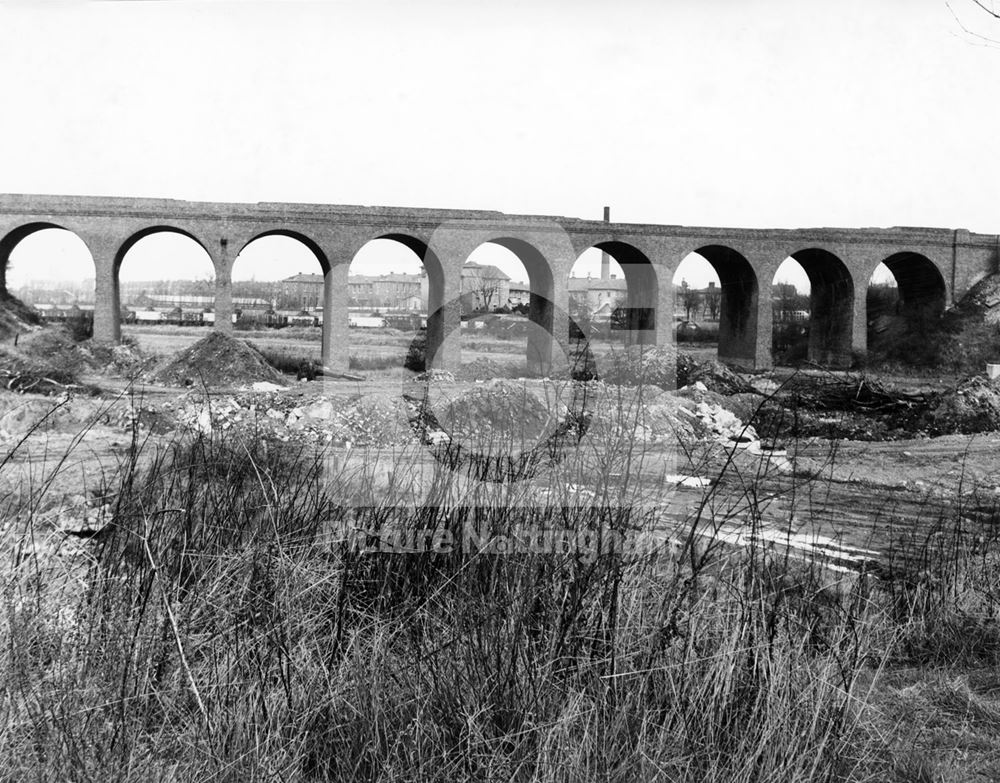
[[690, 298], [486, 291], [713, 300], [482, 294]]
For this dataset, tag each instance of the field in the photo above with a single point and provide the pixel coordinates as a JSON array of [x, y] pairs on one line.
[[773, 577]]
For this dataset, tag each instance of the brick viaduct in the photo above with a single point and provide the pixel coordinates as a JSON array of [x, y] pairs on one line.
[[933, 267]]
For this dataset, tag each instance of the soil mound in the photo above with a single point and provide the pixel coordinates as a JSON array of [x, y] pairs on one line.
[[24, 372], [55, 347], [974, 406], [983, 300], [16, 317], [498, 414], [218, 360]]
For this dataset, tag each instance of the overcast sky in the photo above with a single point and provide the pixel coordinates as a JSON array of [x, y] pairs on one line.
[[767, 113]]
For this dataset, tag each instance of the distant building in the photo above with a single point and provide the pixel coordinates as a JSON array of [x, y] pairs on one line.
[[599, 296], [389, 292], [305, 290], [518, 294], [485, 287], [372, 292]]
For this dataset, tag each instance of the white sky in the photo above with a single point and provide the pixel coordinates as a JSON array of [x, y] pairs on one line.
[[753, 113]]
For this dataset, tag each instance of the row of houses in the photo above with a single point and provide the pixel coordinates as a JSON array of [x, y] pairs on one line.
[[485, 287]]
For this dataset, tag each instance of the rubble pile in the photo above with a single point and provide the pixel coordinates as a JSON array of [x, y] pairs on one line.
[[434, 376], [861, 408], [499, 412], [974, 406], [850, 393], [983, 300], [218, 360], [714, 375], [371, 422], [483, 369], [723, 426], [124, 360]]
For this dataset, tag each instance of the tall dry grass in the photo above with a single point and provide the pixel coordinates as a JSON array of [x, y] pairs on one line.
[[220, 627]]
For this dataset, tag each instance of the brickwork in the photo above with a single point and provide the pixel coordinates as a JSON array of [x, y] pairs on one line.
[[935, 266]]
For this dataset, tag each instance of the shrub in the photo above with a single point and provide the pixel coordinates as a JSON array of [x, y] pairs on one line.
[[80, 327], [416, 353]]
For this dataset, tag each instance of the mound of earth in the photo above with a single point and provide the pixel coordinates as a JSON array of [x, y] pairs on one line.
[[28, 372], [498, 414], [974, 406], [56, 347], [218, 360], [983, 300], [15, 316], [668, 368], [44, 361]]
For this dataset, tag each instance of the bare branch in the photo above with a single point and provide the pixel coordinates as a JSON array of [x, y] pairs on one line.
[[990, 10], [985, 40]]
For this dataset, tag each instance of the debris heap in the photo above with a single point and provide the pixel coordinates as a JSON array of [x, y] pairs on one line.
[[218, 360]]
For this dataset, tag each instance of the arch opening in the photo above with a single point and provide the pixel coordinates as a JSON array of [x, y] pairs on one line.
[[598, 302], [642, 292], [276, 292], [821, 332], [922, 290], [40, 262], [393, 306], [164, 277], [905, 300], [722, 295], [51, 269], [507, 309]]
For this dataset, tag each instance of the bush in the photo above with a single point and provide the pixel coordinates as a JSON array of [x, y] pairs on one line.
[[81, 327], [416, 353], [302, 367]]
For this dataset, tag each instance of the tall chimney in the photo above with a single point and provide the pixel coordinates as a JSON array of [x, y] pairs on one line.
[[605, 258]]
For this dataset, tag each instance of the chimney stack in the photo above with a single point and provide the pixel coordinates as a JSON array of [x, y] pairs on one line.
[[605, 258]]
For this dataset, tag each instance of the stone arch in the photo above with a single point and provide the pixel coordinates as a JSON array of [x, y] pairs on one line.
[[922, 288], [225, 287], [431, 264], [642, 290], [130, 242], [542, 301], [298, 236], [831, 306], [16, 235], [119, 257], [738, 305]]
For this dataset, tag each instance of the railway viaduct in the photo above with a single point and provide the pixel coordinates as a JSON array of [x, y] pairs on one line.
[[933, 267]]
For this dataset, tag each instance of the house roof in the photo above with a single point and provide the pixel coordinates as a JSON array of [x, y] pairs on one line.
[[304, 278], [484, 271], [582, 284], [392, 278]]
